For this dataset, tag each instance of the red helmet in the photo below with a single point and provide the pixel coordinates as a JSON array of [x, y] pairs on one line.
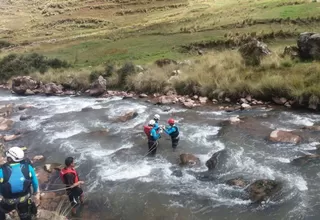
[[171, 121]]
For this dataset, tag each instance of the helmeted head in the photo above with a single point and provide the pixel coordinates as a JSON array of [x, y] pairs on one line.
[[152, 122], [15, 154], [171, 121], [156, 117], [69, 162]]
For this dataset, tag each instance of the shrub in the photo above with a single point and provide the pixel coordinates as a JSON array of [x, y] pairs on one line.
[[4, 44], [126, 70], [13, 65]]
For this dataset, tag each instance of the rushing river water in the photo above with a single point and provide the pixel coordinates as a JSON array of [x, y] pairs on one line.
[[123, 184]]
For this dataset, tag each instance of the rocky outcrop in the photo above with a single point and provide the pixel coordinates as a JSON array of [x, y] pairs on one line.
[[309, 46], [128, 116], [5, 124], [300, 161], [98, 87], [52, 89], [262, 190], [253, 51], [217, 158], [21, 84], [6, 110], [284, 137], [189, 159]]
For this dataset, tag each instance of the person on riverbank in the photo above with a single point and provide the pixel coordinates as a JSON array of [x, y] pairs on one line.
[[69, 176], [173, 131], [16, 179]]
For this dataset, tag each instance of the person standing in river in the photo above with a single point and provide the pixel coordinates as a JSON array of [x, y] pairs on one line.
[[173, 132], [69, 176]]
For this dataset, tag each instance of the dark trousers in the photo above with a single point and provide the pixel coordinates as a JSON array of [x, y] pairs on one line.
[[175, 142], [22, 208], [74, 195], [152, 147]]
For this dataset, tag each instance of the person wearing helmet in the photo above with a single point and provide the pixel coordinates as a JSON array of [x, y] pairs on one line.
[[156, 118], [153, 138], [173, 131], [16, 178]]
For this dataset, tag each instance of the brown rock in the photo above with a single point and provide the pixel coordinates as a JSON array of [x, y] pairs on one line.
[[101, 132], [128, 116], [143, 96], [306, 159], [5, 124], [189, 159], [11, 137], [38, 158], [52, 89], [239, 182], [6, 110], [52, 166], [284, 137], [313, 128], [279, 101], [98, 87], [21, 84], [24, 106], [203, 100]]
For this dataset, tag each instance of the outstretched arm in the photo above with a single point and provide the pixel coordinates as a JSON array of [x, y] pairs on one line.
[[34, 179]]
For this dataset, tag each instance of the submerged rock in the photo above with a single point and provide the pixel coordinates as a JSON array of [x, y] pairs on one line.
[[128, 116], [25, 117], [177, 173], [314, 158], [239, 182], [284, 137], [262, 190], [189, 159], [216, 158], [24, 106]]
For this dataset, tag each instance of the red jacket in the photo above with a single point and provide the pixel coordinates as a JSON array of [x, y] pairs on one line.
[[147, 129], [65, 171]]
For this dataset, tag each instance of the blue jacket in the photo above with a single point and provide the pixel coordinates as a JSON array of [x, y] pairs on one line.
[[15, 178], [154, 133], [172, 130]]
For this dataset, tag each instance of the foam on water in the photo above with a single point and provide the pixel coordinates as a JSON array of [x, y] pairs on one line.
[[200, 136], [298, 119]]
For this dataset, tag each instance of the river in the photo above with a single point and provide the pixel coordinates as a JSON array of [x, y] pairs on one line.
[[123, 184]]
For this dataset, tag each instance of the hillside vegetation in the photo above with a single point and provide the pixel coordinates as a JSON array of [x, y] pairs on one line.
[[92, 34]]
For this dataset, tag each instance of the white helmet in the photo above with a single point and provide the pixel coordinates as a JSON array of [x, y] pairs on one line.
[[15, 153], [156, 117], [152, 122]]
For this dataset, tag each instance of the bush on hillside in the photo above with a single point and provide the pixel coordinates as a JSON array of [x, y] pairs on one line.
[[14, 65], [108, 71], [126, 70]]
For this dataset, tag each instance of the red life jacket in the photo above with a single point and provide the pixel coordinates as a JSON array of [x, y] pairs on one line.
[[147, 129], [65, 171]]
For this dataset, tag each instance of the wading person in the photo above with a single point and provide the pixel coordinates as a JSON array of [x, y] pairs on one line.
[[173, 132]]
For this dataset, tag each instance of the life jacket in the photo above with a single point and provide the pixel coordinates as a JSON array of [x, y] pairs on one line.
[[147, 129], [65, 171], [16, 180], [176, 133]]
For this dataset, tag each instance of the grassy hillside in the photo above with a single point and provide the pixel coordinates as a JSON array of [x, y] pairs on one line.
[[88, 33]]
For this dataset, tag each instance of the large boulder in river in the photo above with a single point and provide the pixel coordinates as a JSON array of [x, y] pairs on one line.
[[5, 124], [253, 51], [189, 159], [217, 158], [309, 46], [52, 89], [262, 190], [98, 87], [128, 116], [6, 110], [21, 84], [284, 137], [300, 161]]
